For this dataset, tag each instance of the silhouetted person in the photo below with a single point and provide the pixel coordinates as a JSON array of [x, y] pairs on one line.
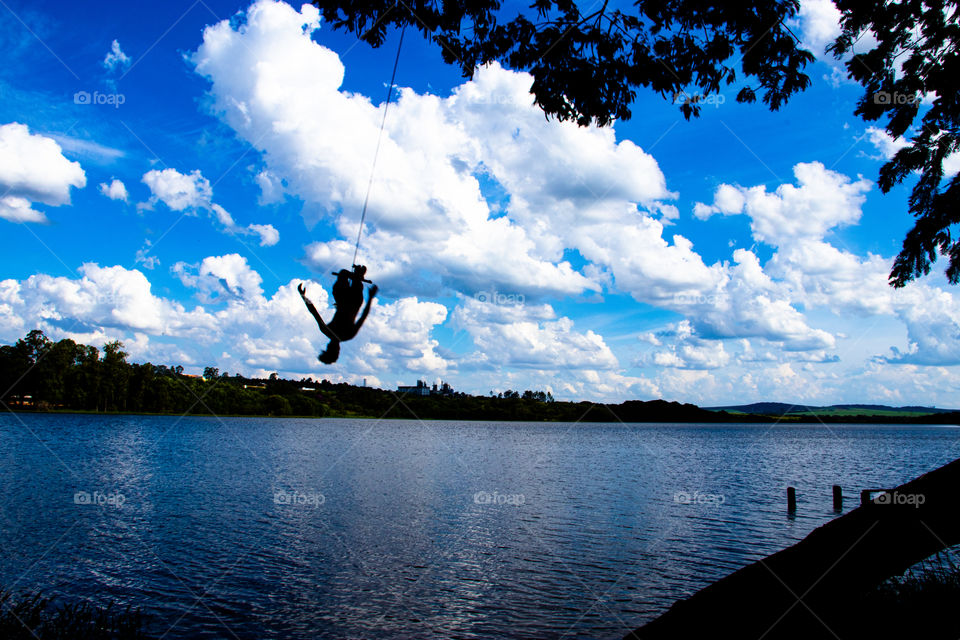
[[347, 298]]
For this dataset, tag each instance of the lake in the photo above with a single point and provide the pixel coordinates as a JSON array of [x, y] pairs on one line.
[[295, 528]]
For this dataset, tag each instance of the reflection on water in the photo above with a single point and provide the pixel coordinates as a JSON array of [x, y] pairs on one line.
[[252, 528]]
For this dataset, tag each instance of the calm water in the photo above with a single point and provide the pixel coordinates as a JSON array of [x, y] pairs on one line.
[[253, 528]]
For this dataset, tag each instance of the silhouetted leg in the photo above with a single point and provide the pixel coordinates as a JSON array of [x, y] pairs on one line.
[[324, 328], [316, 316]]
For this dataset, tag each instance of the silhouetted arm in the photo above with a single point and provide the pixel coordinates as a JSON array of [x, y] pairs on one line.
[[313, 311]]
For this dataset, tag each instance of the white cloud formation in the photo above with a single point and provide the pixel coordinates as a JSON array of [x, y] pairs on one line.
[[267, 233], [702, 354], [432, 221], [33, 169], [808, 270], [269, 236], [104, 298], [517, 335], [177, 190], [249, 332], [823, 200], [115, 190], [256, 334], [932, 317], [116, 59], [884, 142], [435, 222], [751, 304], [89, 149], [401, 332], [148, 261], [643, 263], [819, 23], [219, 277], [192, 192]]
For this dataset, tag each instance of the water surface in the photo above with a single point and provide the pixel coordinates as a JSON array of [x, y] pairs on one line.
[[254, 528]]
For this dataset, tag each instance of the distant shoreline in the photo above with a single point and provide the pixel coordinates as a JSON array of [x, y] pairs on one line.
[[940, 419], [40, 375]]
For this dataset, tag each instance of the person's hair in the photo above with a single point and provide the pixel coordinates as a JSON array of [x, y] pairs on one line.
[[331, 353]]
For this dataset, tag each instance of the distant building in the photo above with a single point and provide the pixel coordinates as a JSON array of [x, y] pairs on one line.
[[420, 390], [444, 390]]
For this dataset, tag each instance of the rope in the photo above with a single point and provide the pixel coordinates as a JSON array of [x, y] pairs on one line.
[[386, 107]]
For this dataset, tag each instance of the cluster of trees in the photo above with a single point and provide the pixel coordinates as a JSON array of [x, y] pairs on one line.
[[539, 396], [37, 373], [40, 372]]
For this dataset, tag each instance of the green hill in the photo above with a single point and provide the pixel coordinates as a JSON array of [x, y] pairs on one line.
[[778, 409]]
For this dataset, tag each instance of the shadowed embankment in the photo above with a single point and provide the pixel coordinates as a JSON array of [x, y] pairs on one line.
[[815, 588]]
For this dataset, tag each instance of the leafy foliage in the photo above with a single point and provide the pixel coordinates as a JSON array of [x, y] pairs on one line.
[[586, 68], [923, 38]]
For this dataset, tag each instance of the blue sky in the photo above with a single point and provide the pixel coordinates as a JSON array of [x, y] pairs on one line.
[[170, 177]]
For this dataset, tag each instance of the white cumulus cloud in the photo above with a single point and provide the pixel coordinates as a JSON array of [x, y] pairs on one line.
[[177, 190], [509, 335], [192, 192], [823, 199], [116, 58], [33, 169], [115, 190]]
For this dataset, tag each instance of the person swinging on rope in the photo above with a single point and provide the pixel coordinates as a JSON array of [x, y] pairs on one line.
[[348, 289], [347, 298]]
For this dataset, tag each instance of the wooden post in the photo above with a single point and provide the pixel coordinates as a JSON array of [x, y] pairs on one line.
[[791, 499], [837, 498]]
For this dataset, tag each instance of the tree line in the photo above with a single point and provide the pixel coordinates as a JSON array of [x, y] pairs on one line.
[[37, 373]]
